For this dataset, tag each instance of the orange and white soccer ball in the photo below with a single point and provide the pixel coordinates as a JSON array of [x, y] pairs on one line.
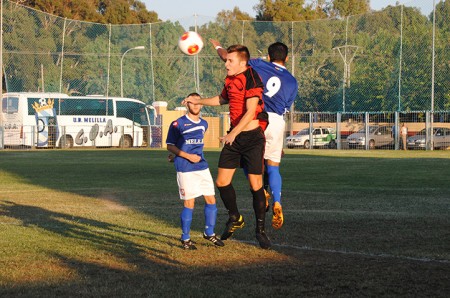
[[190, 43]]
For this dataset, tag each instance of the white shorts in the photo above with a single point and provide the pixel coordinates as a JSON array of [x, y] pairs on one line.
[[274, 137], [195, 184]]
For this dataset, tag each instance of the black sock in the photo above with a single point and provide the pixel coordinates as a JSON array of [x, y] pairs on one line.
[[228, 196], [266, 179], [259, 206]]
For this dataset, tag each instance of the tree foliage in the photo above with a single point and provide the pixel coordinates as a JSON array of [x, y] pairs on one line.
[[42, 51], [236, 14], [344, 8], [301, 10], [280, 10], [98, 11]]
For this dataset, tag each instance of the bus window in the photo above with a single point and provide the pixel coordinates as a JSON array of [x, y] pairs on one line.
[[32, 100], [84, 106], [152, 114], [10, 105], [109, 108], [133, 111]]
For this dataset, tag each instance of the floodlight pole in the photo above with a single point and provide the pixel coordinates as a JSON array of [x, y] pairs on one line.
[[196, 67], [121, 67], [432, 75], [347, 63]]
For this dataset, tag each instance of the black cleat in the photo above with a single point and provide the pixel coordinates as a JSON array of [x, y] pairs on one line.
[[214, 239], [188, 244], [263, 240], [231, 226]]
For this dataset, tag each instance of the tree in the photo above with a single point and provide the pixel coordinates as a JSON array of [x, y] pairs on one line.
[[442, 66], [236, 14], [344, 8], [281, 10], [98, 11]]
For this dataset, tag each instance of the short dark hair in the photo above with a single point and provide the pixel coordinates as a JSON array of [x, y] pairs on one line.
[[241, 50], [194, 94], [278, 51]]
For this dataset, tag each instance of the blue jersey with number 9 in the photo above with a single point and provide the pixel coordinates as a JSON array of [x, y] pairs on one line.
[[280, 86]]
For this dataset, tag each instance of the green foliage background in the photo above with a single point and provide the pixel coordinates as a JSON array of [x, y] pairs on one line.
[[46, 52]]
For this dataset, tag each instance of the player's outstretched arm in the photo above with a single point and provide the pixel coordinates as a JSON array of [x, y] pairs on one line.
[[212, 101], [220, 51]]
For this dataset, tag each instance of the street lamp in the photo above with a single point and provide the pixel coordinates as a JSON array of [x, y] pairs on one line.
[[121, 67]]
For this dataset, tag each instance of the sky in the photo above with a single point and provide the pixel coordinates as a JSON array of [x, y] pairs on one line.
[[179, 9]]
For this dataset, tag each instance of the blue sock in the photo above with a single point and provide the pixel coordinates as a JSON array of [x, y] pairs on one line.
[[210, 218], [186, 220], [275, 182]]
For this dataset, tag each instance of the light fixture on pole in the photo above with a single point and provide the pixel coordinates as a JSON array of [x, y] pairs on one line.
[[121, 67]]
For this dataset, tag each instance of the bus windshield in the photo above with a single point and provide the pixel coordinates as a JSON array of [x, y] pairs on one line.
[[10, 105], [134, 111]]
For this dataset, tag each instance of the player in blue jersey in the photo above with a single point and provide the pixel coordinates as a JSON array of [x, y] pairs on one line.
[[280, 91], [185, 141]]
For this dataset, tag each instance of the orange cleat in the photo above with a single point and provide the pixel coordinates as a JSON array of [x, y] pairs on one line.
[[277, 219]]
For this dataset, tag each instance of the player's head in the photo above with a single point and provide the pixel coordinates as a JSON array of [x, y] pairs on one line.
[[278, 52], [237, 59], [194, 109]]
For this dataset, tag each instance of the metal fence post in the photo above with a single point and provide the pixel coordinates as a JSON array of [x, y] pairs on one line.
[[2, 141], [428, 144], [311, 140], [33, 136], [366, 129], [122, 133], [396, 130], [149, 136], [338, 130]]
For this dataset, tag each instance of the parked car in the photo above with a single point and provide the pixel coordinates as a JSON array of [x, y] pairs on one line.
[[441, 139], [322, 136], [379, 136]]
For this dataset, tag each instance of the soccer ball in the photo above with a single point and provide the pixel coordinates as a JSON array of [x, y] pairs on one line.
[[190, 43]]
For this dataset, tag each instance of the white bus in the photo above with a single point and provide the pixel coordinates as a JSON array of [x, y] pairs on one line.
[[47, 120]]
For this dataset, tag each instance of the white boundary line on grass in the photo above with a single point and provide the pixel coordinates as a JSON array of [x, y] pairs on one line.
[[344, 252], [308, 248]]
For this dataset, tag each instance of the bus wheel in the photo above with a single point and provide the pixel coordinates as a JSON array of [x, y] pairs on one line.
[[126, 142], [66, 142]]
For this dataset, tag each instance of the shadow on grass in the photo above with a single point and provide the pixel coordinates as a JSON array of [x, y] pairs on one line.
[[101, 235], [144, 181]]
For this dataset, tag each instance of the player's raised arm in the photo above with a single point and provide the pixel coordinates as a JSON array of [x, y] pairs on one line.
[[220, 51]]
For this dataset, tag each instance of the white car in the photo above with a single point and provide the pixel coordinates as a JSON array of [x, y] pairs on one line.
[[379, 136], [322, 136], [441, 139]]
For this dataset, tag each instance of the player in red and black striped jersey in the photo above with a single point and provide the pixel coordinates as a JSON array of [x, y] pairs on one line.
[[245, 141], [280, 91]]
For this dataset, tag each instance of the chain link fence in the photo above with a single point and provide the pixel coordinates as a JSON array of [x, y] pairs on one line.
[[370, 130], [394, 60]]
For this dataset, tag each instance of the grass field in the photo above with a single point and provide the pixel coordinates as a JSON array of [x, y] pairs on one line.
[[106, 223]]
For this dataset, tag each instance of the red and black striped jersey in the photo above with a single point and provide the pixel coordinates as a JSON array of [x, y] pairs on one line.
[[238, 89]]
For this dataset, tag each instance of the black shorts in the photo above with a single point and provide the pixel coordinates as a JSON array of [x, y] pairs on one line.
[[247, 151]]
